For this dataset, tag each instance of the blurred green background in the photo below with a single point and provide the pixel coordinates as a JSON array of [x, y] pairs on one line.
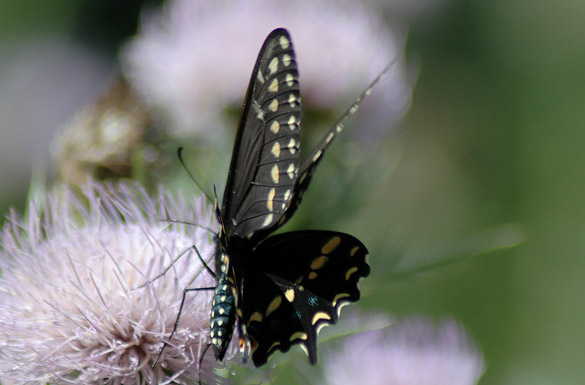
[[494, 136]]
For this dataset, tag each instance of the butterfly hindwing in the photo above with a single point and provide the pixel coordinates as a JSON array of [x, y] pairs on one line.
[[264, 163], [294, 284]]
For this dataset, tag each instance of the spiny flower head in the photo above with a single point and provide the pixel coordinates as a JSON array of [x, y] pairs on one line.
[[91, 284]]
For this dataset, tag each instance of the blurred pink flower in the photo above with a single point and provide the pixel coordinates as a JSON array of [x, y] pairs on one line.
[[412, 351], [194, 59], [81, 301]]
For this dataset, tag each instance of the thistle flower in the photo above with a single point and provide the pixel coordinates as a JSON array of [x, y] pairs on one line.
[[412, 351], [83, 298], [195, 57]]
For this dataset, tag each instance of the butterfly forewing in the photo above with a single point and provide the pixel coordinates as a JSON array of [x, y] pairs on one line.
[[309, 165], [295, 283], [264, 164]]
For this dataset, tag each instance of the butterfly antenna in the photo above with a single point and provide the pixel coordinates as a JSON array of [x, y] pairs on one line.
[[340, 124], [180, 155], [175, 221], [315, 157], [217, 209]]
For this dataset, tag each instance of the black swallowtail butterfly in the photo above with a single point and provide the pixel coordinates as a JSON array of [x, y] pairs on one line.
[[281, 290]]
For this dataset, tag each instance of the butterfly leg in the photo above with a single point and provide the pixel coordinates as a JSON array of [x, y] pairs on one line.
[[205, 263], [178, 317], [201, 362]]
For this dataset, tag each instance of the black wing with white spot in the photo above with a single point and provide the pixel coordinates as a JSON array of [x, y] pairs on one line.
[[294, 284], [264, 165]]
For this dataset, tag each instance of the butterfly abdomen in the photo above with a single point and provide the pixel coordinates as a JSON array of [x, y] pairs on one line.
[[223, 315]]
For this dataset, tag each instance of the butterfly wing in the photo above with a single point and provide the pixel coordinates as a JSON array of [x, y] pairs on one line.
[[264, 164], [294, 284], [310, 164]]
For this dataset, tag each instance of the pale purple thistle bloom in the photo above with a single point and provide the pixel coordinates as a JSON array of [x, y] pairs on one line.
[[75, 308], [195, 57], [412, 351]]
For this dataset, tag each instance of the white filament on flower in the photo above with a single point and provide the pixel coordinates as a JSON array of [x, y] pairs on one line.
[[83, 298]]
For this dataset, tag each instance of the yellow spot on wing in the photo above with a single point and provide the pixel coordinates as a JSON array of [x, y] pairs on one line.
[[312, 275], [284, 43], [331, 245], [274, 127], [267, 220], [282, 219], [275, 149], [319, 316], [255, 317], [338, 297], [350, 272], [321, 326], [273, 105], [292, 123], [317, 155], [273, 305], [286, 59], [270, 199], [319, 262], [353, 251], [273, 66], [275, 174], [298, 336], [341, 306], [292, 146], [273, 87], [289, 294], [329, 137], [273, 346]]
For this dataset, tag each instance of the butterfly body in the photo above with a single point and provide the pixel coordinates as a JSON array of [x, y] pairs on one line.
[[279, 290], [223, 315]]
